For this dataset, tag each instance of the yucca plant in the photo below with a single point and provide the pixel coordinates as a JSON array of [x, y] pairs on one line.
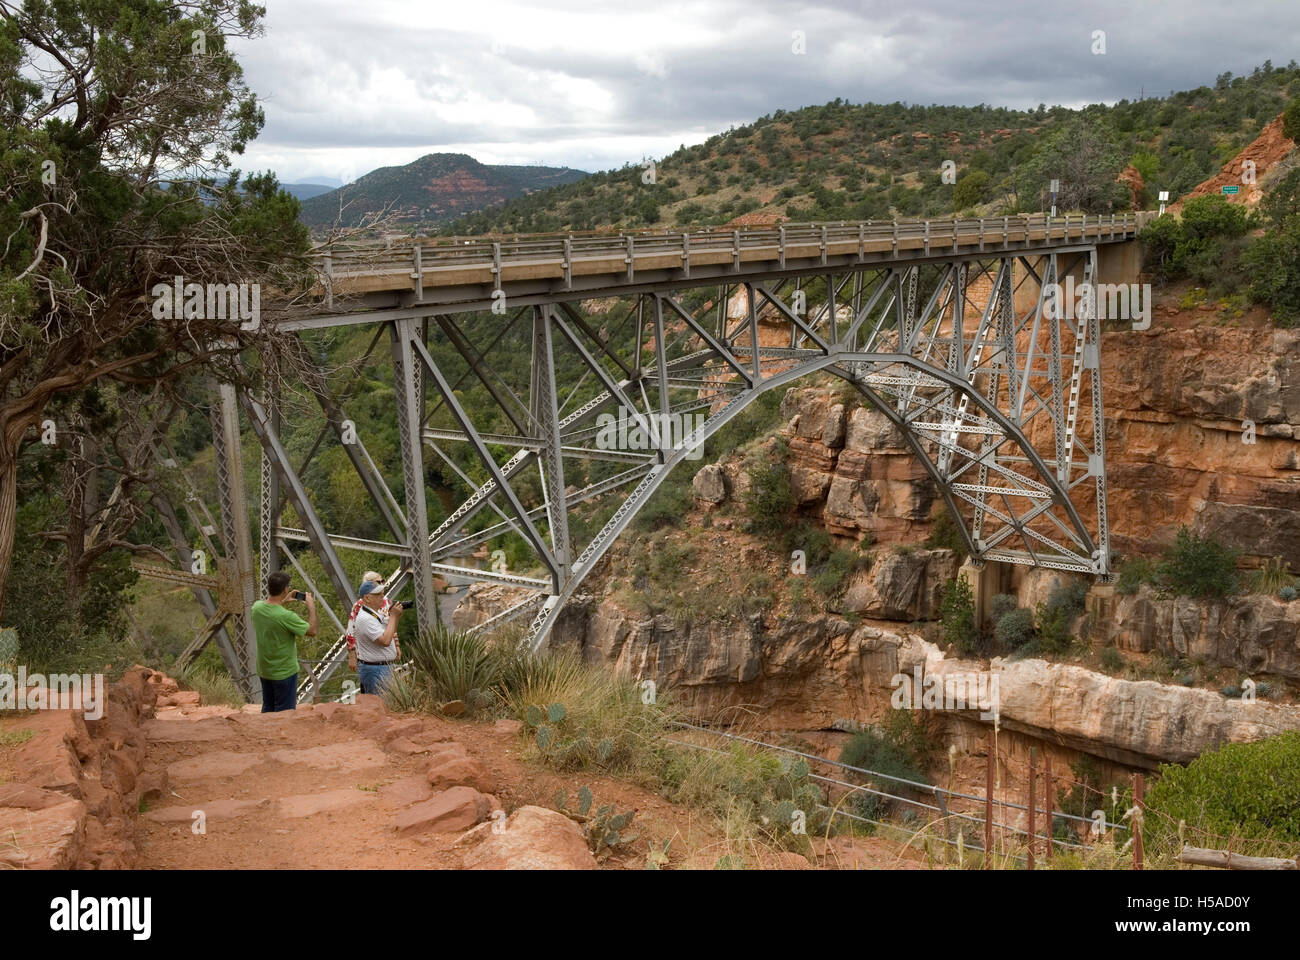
[[1272, 578], [454, 665]]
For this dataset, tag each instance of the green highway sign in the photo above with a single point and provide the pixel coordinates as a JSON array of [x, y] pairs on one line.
[[1232, 189]]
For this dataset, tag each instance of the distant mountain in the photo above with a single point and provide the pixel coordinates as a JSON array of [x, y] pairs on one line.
[[305, 191], [435, 189]]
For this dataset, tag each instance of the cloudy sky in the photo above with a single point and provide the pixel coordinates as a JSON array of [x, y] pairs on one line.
[[349, 86]]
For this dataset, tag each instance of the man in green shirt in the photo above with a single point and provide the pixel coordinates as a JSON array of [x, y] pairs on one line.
[[278, 630]]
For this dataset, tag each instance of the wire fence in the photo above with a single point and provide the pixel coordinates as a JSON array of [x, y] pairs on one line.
[[940, 795]]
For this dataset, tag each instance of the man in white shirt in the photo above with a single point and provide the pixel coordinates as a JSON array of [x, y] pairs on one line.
[[376, 633]]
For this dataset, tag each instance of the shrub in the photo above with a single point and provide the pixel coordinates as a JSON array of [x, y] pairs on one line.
[[1198, 567], [770, 499], [1014, 630], [1133, 573], [1291, 119], [1003, 603], [1199, 244], [1247, 790], [1068, 597], [945, 535], [971, 190], [830, 581], [899, 747], [1053, 628], [1287, 593], [957, 614], [1112, 661], [815, 542], [1273, 264]]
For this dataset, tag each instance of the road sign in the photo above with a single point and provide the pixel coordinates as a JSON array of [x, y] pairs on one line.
[[1164, 196], [1231, 189]]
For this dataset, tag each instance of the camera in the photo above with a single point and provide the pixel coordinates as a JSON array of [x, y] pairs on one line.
[[406, 604], [299, 595]]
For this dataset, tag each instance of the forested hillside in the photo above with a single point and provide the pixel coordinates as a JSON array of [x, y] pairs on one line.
[[846, 161]]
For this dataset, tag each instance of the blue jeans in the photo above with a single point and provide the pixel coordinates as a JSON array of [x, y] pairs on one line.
[[373, 678], [279, 695]]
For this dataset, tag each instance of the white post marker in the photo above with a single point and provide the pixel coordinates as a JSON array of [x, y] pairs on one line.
[[1164, 198], [1055, 188]]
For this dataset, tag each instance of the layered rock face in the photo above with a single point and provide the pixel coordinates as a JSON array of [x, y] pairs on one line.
[[1136, 722], [1177, 400], [1257, 634], [853, 471], [816, 673]]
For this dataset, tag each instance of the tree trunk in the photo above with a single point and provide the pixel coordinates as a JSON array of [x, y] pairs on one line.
[[8, 515]]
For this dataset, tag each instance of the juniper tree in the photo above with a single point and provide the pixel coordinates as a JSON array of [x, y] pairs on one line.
[[120, 119]]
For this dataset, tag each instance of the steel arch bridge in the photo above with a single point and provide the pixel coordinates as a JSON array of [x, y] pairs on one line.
[[946, 327]]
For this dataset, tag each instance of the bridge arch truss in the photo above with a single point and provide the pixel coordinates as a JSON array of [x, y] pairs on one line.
[[586, 399]]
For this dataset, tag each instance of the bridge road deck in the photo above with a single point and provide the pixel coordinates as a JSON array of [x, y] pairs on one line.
[[457, 274]]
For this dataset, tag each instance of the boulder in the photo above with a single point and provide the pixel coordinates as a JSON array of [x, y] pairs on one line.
[[710, 484], [531, 838]]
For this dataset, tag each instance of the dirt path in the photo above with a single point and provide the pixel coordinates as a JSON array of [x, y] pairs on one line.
[[335, 786], [324, 787]]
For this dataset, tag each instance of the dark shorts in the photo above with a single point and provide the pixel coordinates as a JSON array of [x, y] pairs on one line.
[[279, 695]]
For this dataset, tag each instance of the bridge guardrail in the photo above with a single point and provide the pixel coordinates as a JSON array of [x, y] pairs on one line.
[[433, 253]]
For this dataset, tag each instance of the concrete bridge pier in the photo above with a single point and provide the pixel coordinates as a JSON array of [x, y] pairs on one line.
[[986, 580]]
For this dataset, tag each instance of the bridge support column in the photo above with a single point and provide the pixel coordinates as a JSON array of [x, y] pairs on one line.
[[236, 535], [408, 377], [986, 581]]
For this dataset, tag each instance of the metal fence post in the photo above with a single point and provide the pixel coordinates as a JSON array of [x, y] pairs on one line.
[[1136, 825], [988, 804], [1048, 800], [1032, 824]]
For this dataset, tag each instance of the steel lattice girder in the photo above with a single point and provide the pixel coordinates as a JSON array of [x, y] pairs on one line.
[[973, 386]]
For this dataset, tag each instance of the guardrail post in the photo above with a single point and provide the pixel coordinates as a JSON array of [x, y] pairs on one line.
[[568, 263], [630, 257], [417, 272], [686, 254], [496, 265], [981, 234], [862, 241], [927, 238], [895, 237], [735, 250], [823, 244], [781, 244], [1006, 228]]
